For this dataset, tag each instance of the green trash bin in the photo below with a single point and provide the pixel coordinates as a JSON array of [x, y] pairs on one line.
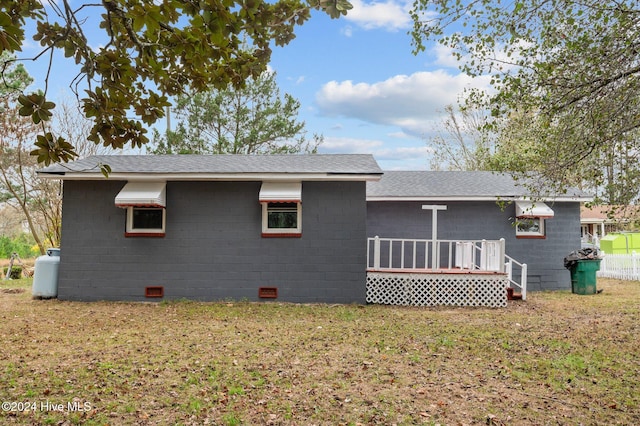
[[583, 276]]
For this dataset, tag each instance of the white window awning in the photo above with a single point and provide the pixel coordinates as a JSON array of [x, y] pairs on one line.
[[281, 192], [533, 209], [142, 194]]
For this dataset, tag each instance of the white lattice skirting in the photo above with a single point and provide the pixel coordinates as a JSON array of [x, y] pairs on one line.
[[410, 289]]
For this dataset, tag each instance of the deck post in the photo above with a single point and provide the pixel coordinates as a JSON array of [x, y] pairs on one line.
[[435, 249], [376, 253], [524, 281], [502, 253]]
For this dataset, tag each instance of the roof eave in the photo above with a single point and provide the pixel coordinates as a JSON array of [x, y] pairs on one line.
[[276, 176], [431, 198], [587, 220], [476, 198]]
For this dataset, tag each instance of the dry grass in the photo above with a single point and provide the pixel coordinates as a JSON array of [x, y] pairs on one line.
[[557, 358]]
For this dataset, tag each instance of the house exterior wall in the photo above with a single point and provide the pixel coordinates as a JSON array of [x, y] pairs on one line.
[[486, 220], [213, 249]]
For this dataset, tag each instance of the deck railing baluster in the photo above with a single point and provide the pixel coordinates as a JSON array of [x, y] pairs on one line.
[[414, 253]]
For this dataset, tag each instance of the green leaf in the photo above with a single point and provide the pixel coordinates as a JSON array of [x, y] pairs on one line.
[[26, 111], [23, 100], [105, 169]]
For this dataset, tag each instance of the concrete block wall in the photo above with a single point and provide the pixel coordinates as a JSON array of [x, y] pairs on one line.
[[487, 220], [213, 249]]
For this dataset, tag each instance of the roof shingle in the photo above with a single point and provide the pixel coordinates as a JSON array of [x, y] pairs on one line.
[[450, 184], [222, 164]]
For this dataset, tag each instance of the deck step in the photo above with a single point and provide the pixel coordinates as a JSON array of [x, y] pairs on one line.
[[511, 295]]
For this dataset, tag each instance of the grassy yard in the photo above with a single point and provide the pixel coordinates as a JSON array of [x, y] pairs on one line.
[[557, 358]]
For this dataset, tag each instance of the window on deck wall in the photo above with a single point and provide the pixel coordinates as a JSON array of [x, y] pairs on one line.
[[530, 227], [530, 219]]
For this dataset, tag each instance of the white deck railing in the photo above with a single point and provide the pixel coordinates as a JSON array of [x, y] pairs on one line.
[[403, 253], [510, 269], [388, 254]]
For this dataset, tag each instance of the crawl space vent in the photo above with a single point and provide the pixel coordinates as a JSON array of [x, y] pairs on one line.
[[268, 292], [155, 291]]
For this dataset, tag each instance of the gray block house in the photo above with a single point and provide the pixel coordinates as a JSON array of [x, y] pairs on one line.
[[278, 227], [479, 205], [299, 228]]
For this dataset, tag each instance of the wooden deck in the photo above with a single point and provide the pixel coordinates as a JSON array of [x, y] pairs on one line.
[[454, 271], [420, 265]]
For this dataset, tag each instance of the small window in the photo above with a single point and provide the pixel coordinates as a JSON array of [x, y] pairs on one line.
[[282, 215], [281, 219], [145, 222], [532, 227]]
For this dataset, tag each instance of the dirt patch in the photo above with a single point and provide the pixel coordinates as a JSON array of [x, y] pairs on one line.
[[12, 290]]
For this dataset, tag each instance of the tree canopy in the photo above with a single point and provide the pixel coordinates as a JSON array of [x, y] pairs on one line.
[[36, 201], [253, 119], [18, 186], [459, 142], [570, 68], [152, 50]]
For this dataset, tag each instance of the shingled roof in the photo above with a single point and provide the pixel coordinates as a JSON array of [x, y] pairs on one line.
[[453, 185], [357, 166]]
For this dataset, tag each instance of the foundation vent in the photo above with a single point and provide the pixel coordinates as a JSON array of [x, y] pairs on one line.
[[154, 291], [268, 292]]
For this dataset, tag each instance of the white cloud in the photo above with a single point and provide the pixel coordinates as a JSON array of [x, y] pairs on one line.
[[444, 56], [399, 135], [372, 146], [389, 15], [404, 157], [394, 157], [347, 31], [403, 153], [295, 80], [502, 61], [349, 145], [413, 103]]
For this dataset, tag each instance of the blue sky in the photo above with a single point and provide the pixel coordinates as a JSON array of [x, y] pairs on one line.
[[361, 86], [358, 83]]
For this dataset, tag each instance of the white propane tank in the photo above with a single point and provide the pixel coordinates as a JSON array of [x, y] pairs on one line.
[[45, 275]]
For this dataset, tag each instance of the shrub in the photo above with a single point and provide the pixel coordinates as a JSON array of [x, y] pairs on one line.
[[16, 272], [22, 244]]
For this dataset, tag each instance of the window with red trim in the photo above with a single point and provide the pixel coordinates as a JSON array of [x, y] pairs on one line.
[[281, 219]]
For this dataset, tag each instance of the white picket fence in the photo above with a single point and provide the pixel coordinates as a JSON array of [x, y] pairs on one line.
[[620, 266]]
